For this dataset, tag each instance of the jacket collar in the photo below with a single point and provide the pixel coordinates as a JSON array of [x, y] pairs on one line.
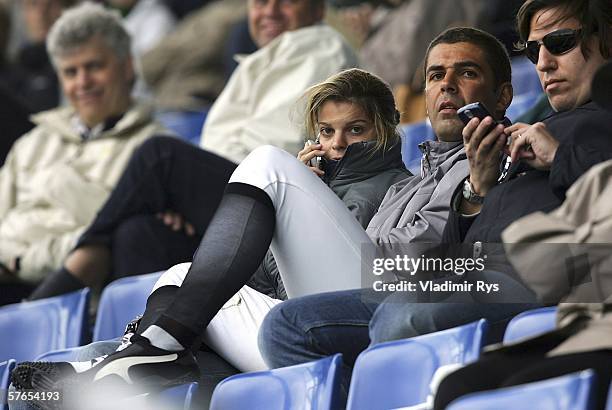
[[361, 160], [61, 121], [436, 153]]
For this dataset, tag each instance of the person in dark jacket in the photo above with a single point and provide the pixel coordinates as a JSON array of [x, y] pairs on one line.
[[31, 77], [353, 116]]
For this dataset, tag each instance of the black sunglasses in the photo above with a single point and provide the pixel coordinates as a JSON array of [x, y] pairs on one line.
[[557, 42]]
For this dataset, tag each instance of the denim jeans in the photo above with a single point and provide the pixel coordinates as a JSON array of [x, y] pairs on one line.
[[312, 327]]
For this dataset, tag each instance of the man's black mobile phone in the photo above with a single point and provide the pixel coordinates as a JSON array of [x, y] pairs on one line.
[[467, 112]]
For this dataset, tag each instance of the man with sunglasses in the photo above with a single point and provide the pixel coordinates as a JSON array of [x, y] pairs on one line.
[[567, 41]]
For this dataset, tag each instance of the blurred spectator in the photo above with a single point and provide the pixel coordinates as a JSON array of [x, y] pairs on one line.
[[181, 8], [393, 39], [31, 77], [255, 107], [238, 43], [57, 176], [386, 49], [13, 113], [147, 22], [361, 18], [14, 120], [185, 70]]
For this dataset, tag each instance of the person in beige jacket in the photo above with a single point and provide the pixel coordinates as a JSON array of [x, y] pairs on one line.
[[57, 176], [256, 106]]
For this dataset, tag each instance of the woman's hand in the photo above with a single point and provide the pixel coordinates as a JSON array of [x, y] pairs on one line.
[[308, 153], [176, 222]]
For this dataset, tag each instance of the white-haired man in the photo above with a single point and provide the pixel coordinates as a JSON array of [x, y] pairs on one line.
[[57, 176]]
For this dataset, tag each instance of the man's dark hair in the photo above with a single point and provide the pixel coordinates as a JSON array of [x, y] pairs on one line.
[[495, 52], [594, 16]]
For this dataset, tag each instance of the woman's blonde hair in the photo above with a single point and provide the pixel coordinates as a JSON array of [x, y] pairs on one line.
[[359, 87]]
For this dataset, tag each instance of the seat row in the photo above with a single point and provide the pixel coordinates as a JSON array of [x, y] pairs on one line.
[[397, 375], [389, 375]]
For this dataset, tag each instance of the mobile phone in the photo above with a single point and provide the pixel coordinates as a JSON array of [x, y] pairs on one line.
[[467, 112], [316, 162]]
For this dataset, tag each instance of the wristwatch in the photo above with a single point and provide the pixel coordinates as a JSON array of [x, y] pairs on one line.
[[469, 194]]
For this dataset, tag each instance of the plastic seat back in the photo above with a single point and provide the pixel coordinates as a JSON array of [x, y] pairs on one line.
[[572, 392], [5, 379], [530, 323], [525, 78], [180, 397], [121, 301], [397, 374], [412, 135], [521, 104], [312, 386], [29, 329], [61, 355], [186, 124]]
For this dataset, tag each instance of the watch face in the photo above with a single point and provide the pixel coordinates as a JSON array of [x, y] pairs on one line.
[[469, 194], [467, 191]]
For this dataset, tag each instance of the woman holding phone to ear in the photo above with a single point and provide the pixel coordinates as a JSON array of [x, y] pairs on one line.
[[273, 201]]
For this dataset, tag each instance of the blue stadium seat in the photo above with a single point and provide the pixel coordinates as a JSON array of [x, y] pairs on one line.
[[525, 78], [121, 301], [521, 104], [61, 355], [175, 398], [397, 374], [571, 392], [31, 328], [186, 124], [530, 323], [5, 380], [313, 386], [412, 135]]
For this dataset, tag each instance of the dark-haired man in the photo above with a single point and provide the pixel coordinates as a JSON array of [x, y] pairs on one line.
[[553, 155]]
